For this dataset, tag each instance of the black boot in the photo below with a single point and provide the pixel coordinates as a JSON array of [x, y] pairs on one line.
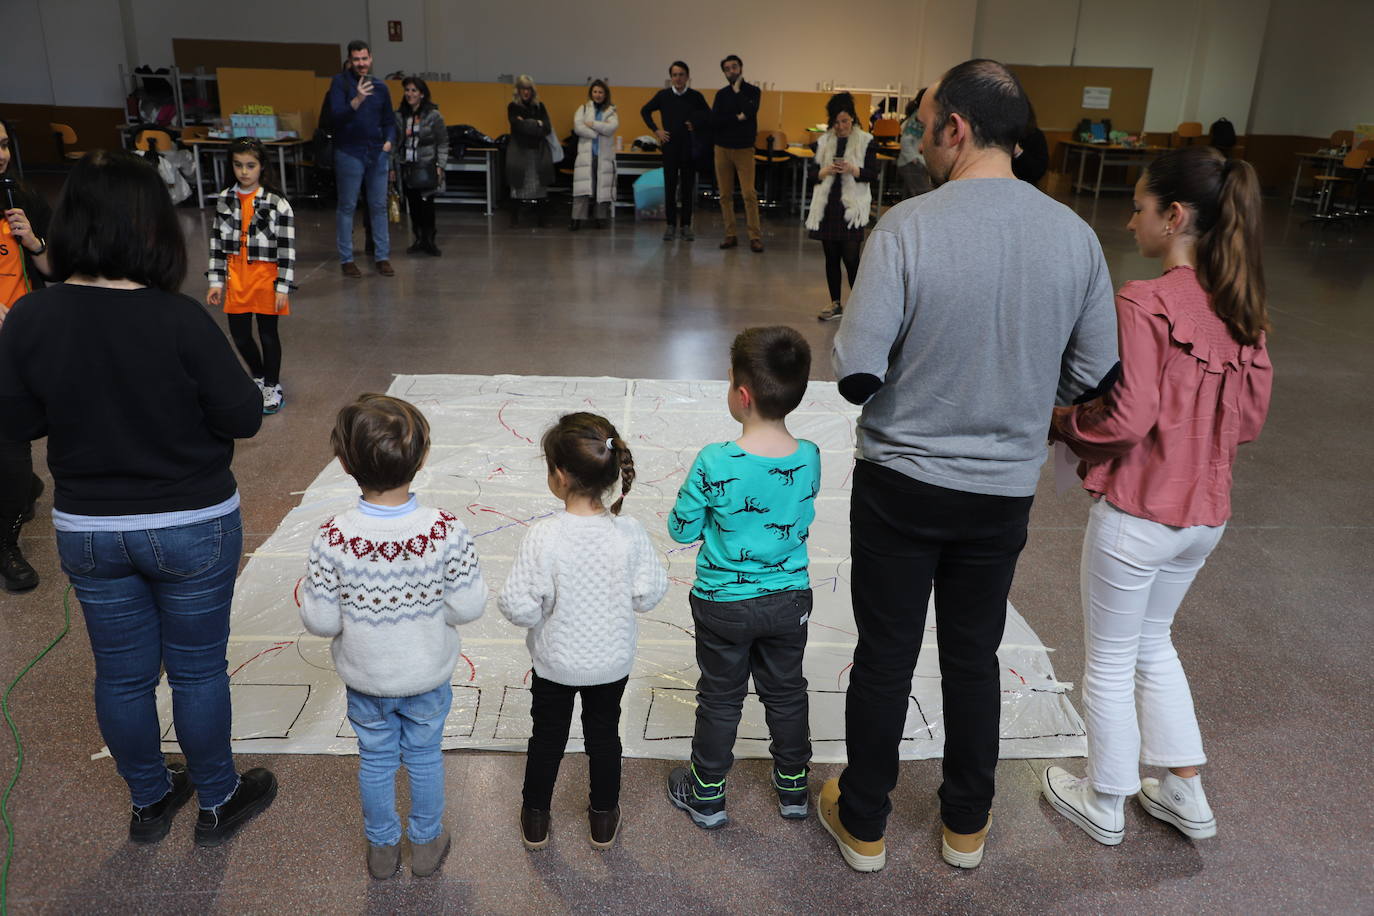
[[418, 245], [574, 225], [429, 247], [16, 572], [541, 213], [514, 213]]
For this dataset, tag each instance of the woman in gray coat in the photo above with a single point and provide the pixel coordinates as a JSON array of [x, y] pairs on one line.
[[420, 156], [529, 158]]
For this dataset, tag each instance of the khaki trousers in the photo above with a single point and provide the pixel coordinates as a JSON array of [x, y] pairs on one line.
[[729, 163]]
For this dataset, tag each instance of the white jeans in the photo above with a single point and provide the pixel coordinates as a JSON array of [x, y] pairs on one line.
[[1136, 701]]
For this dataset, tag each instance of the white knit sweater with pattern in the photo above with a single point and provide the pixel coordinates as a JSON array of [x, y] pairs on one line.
[[577, 583], [391, 591]]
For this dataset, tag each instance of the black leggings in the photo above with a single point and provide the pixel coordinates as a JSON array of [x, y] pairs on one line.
[[266, 363], [16, 479], [421, 213], [835, 252]]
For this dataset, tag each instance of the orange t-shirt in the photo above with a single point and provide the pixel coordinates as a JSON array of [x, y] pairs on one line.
[[13, 282], [252, 284]]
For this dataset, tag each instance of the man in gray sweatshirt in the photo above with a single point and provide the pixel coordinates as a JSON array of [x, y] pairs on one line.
[[977, 308]]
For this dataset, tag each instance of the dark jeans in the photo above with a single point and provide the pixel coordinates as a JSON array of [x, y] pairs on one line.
[[765, 637], [421, 209], [154, 598], [907, 535], [16, 479], [679, 183], [551, 707]]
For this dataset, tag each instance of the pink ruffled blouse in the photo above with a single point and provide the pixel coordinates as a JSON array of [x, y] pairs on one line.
[[1160, 444]]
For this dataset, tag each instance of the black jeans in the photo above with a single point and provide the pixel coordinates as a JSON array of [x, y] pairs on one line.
[[421, 213], [765, 637], [551, 707], [16, 479], [905, 536], [679, 182]]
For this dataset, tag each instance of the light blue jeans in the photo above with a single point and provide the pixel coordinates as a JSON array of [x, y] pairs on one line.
[[367, 173], [153, 599], [391, 731]]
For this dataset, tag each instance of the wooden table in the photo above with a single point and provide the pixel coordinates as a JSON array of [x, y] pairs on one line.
[[214, 146], [1107, 154]]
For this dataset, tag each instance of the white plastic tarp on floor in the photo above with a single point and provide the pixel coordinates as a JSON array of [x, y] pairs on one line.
[[485, 467]]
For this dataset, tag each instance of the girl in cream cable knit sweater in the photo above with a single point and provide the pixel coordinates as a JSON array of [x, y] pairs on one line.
[[577, 582]]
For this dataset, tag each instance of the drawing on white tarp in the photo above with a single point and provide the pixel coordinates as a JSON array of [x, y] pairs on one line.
[[486, 468]]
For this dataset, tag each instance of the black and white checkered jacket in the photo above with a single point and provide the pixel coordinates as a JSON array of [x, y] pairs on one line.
[[271, 237]]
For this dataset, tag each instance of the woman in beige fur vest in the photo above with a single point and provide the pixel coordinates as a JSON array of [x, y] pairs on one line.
[[846, 164]]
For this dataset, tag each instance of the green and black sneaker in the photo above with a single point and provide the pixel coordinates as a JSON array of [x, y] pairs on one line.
[[793, 802], [705, 802]]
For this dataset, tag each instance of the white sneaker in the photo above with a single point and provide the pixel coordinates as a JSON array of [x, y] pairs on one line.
[[272, 398], [257, 380], [1181, 802], [1101, 816]]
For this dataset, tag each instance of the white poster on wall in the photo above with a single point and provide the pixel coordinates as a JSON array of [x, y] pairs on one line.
[[1097, 97]]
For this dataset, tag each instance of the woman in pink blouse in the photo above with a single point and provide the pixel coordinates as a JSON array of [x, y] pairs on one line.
[[1158, 448]]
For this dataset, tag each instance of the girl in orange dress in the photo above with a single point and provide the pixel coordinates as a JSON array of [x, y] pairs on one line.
[[252, 262]]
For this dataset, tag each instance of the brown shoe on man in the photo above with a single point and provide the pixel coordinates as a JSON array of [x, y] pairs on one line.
[[604, 825], [860, 855], [351, 271], [730, 242], [964, 850], [385, 269], [756, 246], [534, 827]]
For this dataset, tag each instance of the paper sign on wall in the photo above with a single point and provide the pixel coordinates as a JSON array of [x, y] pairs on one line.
[[1097, 97]]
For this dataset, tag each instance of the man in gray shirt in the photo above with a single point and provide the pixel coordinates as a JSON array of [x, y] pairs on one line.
[[977, 308]]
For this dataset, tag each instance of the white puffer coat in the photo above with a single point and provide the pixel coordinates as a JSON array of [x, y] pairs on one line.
[[605, 159]]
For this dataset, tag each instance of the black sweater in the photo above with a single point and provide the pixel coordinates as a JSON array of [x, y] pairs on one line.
[[138, 392], [677, 111], [731, 132]]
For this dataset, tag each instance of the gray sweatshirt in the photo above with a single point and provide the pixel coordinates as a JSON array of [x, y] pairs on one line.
[[978, 306]]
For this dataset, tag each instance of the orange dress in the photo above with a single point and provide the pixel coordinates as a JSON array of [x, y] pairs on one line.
[[251, 286]]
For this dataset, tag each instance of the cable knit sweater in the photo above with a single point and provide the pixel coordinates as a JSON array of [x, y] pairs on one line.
[[391, 591], [577, 583]]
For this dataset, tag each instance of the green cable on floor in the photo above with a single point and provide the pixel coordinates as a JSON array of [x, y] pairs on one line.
[[19, 751]]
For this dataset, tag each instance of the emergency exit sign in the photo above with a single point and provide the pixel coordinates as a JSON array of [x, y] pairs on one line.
[[393, 30]]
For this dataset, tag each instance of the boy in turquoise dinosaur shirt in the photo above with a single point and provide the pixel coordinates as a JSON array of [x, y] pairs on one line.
[[751, 503]]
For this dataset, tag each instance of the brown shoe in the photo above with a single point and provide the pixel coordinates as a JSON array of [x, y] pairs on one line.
[[730, 242], [964, 850], [604, 827], [351, 271], [860, 855], [534, 827], [426, 858], [756, 246], [385, 269]]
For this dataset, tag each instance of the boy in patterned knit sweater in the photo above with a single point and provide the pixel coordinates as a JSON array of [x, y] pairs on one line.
[[390, 581], [751, 502]]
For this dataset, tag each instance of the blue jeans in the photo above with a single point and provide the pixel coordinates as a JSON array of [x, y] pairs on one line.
[[392, 730], [368, 173], [154, 598]]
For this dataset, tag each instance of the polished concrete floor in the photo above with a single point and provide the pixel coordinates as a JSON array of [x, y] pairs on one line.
[[1275, 634]]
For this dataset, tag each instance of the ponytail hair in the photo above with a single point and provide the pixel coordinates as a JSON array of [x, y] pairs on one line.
[[589, 451], [1224, 196]]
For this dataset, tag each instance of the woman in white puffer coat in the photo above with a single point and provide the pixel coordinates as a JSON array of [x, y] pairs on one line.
[[595, 124]]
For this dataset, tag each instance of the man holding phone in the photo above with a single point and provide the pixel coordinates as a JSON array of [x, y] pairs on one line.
[[364, 131]]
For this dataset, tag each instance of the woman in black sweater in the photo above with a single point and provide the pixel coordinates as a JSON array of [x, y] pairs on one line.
[[141, 399]]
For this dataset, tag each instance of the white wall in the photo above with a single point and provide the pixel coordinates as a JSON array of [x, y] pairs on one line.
[[62, 52], [157, 22], [1204, 54], [1316, 75]]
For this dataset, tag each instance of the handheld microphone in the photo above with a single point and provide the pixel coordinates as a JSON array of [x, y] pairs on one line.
[[10, 186]]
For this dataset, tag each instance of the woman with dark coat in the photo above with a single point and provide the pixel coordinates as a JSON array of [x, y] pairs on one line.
[[420, 157], [23, 262], [529, 159]]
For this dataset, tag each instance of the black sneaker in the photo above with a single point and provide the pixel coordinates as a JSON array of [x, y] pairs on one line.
[[257, 788], [704, 802], [793, 801], [150, 823]]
